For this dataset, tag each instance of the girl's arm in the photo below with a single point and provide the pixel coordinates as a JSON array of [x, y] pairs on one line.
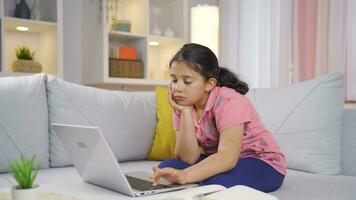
[[225, 159], [187, 147]]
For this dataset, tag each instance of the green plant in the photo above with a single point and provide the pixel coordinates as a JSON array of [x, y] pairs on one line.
[[24, 53], [24, 172]]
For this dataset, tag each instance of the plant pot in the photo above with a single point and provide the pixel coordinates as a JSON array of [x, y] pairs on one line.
[[25, 194], [26, 66]]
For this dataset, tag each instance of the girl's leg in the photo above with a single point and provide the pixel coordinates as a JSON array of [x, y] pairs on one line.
[[177, 164], [173, 163], [250, 172]]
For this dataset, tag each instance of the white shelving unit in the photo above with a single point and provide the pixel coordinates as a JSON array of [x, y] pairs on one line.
[[44, 36], [143, 15]]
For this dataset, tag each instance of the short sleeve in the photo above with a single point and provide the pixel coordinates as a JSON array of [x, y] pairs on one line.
[[232, 111], [176, 120]]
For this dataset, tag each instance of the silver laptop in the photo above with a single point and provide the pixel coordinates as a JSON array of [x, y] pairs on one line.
[[96, 163]]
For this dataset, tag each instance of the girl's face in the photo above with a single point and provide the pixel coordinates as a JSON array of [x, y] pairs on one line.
[[188, 87]]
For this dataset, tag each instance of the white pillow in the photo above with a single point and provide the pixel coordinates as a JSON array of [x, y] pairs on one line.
[[127, 119], [23, 119], [305, 119]]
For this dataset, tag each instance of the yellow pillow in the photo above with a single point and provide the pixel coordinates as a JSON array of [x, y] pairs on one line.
[[163, 146]]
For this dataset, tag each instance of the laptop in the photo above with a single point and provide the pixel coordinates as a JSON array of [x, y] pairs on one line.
[[92, 157]]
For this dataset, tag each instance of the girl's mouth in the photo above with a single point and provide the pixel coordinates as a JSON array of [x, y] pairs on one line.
[[179, 98]]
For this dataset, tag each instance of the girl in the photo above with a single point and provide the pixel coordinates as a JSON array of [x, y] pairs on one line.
[[212, 114]]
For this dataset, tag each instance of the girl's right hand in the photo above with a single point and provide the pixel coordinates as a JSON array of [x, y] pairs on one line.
[[174, 104]]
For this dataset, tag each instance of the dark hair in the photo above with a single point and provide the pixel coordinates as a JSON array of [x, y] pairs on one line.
[[202, 60]]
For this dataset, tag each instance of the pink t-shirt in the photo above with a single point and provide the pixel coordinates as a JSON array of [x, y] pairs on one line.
[[226, 108]]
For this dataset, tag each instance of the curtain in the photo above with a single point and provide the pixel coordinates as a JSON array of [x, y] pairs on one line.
[[277, 42], [255, 40], [326, 41]]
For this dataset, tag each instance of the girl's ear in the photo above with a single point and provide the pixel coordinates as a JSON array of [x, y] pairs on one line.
[[210, 84]]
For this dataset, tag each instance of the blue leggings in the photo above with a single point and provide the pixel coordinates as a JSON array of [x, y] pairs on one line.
[[250, 172]]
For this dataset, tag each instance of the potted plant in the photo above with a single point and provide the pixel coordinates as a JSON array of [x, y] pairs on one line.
[[25, 173], [25, 62]]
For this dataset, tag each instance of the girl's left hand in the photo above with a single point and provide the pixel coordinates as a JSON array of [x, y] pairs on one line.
[[175, 176]]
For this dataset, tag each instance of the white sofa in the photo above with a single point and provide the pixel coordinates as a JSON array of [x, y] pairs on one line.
[[308, 120]]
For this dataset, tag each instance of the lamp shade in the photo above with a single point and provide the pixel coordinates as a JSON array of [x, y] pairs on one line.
[[205, 26]]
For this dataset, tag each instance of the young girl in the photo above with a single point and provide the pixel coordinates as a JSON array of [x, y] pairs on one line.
[[220, 138]]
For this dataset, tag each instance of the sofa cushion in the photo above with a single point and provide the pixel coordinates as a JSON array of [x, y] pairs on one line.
[[305, 119], [23, 119], [163, 146], [127, 119]]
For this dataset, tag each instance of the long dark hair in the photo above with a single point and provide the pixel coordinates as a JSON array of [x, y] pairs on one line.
[[202, 60]]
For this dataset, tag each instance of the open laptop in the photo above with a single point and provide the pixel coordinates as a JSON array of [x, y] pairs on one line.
[[96, 163]]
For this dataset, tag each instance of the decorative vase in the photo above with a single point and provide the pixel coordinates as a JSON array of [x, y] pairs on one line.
[[29, 66], [25, 194], [156, 30], [168, 32], [22, 10], [35, 11]]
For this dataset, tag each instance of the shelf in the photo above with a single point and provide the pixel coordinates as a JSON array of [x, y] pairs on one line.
[[43, 36], [49, 10], [168, 13], [142, 16], [163, 40], [10, 23], [125, 36], [134, 11]]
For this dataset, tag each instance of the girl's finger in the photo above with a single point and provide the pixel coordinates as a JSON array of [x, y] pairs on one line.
[[156, 176], [156, 180], [172, 102]]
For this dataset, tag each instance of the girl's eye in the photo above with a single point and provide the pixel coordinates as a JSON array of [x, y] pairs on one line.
[[187, 82], [174, 81]]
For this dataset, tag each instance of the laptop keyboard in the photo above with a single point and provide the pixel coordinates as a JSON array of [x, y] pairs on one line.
[[143, 185]]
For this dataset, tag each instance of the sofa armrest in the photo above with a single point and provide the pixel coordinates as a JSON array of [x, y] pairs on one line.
[[348, 141]]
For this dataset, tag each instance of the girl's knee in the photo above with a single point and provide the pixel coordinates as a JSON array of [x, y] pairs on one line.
[[167, 163], [173, 163]]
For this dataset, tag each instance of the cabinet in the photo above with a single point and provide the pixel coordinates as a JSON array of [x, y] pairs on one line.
[[44, 35], [153, 49]]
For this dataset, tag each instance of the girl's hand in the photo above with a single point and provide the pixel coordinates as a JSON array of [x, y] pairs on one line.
[[173, 103], [174, 176]]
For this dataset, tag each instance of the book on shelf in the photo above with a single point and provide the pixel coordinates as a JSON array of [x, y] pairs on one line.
[[216, 192], [127, 53], [122, 52], [125, 68]]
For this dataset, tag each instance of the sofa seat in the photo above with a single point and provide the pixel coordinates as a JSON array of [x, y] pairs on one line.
[[70, 175], [297, 185], [302, 185]]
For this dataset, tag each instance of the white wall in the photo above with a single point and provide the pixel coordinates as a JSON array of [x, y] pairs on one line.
[[72, 41], [92, 42], [81, 40]]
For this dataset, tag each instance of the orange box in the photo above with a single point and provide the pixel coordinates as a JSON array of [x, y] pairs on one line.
[[128, 53]]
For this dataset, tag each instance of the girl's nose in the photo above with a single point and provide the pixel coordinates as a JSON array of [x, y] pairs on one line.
[[178, 86], [175, 87]]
